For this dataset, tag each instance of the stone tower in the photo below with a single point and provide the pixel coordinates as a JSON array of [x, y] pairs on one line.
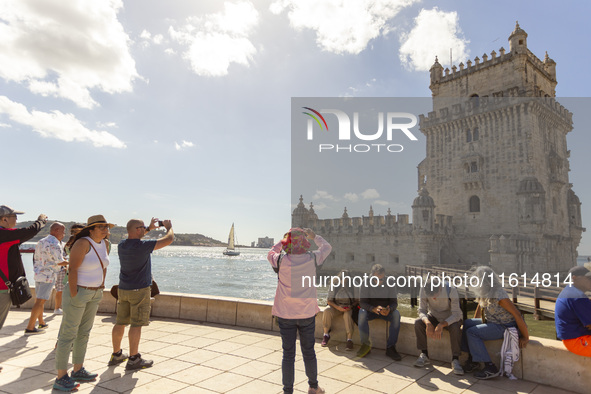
[[497, 161]]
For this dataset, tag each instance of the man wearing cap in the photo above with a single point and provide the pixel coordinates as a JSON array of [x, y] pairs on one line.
[[573, 312], [11, 263], [47, 262], [135, 280]]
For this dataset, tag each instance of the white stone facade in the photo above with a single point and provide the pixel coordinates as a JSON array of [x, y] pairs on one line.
[[496, 162]]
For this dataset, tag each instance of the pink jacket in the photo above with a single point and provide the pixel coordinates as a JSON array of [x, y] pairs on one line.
[[294, 299]]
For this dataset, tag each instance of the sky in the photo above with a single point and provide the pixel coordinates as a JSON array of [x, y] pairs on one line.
[[181, 109]]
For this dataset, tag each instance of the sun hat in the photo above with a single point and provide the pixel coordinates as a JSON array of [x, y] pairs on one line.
[[97, 219], [6, 210], [581, 270], [295, 241]]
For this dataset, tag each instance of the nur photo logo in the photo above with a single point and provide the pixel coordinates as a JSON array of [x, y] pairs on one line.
[[390, 125]]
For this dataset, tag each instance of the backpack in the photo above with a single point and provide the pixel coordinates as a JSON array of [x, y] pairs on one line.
[[276, 269]]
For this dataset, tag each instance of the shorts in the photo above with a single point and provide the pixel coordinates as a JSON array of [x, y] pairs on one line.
[[43, 290], [580, 345], [59, 283], [134, 307]]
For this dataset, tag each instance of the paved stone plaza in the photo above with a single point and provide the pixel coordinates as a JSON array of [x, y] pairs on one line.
[[192, 357]]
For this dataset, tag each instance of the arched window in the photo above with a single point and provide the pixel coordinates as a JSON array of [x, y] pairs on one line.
[[473, 167], [468, 136], [475, 100], [474, 204], [475, 134]]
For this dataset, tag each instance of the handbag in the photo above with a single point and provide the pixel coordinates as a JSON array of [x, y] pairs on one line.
[[20, 292]]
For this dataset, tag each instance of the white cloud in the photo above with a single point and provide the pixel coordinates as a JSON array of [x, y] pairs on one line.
[[381, 202], [5, 125], [215, 41], [434, 33], [370, 194], [342, 26], [183, 145], [320, 206], [65, 127], [323, 195], [148, 39], [103, 125], [65, 48], [351, 197]]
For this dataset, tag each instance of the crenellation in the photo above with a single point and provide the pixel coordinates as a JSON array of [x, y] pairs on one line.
[[497, 173]]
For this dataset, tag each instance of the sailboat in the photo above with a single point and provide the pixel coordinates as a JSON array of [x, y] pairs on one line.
[[230, 251]]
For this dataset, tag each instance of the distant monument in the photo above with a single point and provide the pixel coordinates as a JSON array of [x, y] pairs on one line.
[[494, 186]]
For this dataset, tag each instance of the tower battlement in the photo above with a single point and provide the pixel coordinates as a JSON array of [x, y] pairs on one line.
[[497, 76]]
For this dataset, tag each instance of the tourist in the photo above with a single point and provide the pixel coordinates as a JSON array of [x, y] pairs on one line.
[[439, 309], [133, 295], [378, 300], [295, 304], [340, 301], [47, 262], [61, 276], [500, 314], [89, 258], [11, 263], [573, 312]]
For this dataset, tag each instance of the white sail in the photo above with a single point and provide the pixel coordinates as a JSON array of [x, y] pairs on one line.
[[231, 238]]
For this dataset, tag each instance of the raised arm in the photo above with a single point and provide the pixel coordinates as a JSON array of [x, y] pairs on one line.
[[167, 238]]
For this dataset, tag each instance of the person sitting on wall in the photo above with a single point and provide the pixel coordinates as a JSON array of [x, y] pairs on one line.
[[379, 301], [572, 315], [494, 314], [439, 308], [341, 301]]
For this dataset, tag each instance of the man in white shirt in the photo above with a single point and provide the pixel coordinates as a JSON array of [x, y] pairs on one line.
[[439, 308], [49, 256]]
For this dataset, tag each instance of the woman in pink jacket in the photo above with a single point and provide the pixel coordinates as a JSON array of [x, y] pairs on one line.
[[295, 302]]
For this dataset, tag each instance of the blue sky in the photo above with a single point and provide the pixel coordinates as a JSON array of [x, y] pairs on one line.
[[181, 109]]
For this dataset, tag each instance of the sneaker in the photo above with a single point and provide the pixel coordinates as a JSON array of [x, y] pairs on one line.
[[364, 350], [82, 375], [422, 361], [457, 368], [317, 390], [325, 340], [349, 345], [471, 366], [34, 331], [42, 326], [118, 359], [65, 384], [58, 311], [138, 363], [393, 354], [488, 372]]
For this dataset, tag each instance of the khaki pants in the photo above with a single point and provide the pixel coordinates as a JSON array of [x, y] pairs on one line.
[[79, 313], [330, 313]]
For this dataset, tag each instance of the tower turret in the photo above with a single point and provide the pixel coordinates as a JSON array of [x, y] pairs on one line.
[[422, 211], [436, 72], [518, 41]]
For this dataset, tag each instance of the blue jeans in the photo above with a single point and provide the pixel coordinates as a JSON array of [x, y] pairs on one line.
[[289, 329], [365, 317], [475, 333]]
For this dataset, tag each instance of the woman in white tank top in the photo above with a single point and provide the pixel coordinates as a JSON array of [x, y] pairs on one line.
[[89, 258]]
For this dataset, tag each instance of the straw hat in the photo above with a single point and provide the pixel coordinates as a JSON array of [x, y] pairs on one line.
[[97, 219]]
